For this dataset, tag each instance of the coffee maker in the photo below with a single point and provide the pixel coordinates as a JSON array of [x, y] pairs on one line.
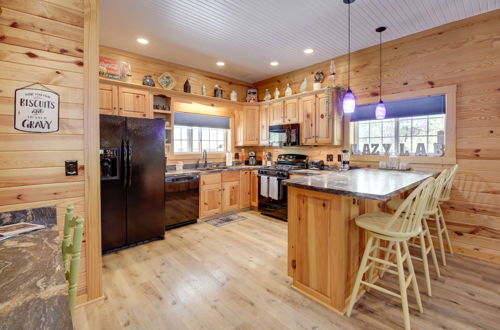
[[252, 160]]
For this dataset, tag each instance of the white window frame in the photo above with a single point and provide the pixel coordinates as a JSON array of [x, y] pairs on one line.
[[190, 140], [450, 126]]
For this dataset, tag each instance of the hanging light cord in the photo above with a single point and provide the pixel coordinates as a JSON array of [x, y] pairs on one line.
[[380, 67], [349, 46]]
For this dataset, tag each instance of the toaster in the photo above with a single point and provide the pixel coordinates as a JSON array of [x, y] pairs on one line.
[[317, 164]]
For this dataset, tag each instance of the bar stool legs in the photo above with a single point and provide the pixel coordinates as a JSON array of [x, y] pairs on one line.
[[440, 211], [369, 263]]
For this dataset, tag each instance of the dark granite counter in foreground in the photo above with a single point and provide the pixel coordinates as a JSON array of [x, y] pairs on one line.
[[362, 183], [33, 289]]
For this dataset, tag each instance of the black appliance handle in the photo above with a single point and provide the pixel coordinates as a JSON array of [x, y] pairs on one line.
[[124, 164], [288, 136], [129, 164]]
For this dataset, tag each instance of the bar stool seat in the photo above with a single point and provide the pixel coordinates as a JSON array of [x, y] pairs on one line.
[[377, 222]]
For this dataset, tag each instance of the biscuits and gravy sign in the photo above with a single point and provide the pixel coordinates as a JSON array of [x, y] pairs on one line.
[[36, 110]]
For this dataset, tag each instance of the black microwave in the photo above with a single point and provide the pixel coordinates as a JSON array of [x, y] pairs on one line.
[[284, 135]]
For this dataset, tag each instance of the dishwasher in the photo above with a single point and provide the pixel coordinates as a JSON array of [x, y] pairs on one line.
[[182, 195]]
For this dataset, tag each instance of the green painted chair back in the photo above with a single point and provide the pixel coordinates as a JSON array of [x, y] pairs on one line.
[[71, 251]]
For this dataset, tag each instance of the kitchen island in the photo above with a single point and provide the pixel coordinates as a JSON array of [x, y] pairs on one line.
[[324, 244]]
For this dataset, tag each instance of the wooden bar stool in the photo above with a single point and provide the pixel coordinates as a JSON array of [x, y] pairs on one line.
[[440, 222], [431, 210], [71, 250], [397, 229]]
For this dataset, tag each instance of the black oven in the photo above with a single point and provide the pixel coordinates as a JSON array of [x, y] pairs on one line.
[[284, 135]]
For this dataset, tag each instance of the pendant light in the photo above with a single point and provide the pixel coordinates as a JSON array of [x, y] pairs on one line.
[[380, 109], [349, 102]]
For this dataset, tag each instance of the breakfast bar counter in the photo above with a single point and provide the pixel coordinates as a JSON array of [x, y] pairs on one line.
[[324, 243]]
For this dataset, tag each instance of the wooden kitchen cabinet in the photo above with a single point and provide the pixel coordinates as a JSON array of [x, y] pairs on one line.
[[239, 129], [322, 122], [291, 112], [307, 107], [264, 124], [230, 196], [251, 125], [276, 113], [245, 182], [220, 192], [134, 102], [254, 189], [108, 99], [210, 199], [124, 101]]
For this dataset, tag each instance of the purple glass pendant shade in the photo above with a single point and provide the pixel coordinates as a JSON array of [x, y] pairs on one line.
[[380, 110], [349, 102]]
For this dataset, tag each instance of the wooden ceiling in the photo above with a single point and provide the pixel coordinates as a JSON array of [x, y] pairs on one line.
[[248, 35]]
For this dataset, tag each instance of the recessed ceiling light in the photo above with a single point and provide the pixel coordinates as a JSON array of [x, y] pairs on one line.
[[143, 41], [220, 63], [274, 63], [308, 50]]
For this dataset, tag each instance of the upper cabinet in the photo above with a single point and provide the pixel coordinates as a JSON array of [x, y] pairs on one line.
[[239, 125], [133, 102], [322, 121], [264, 124], [291, 112], [124, 101], [108, 99], [276, 113], [251, 125]]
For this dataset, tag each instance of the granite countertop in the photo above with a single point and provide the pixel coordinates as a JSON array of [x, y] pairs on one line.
[[362, 183], [212, 170], [34, 291]]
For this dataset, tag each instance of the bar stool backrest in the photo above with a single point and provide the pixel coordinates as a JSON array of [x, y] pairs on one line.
[[449, 182], [411, 211], [437, 192]]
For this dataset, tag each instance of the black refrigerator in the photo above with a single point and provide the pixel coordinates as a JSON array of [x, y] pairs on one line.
[[132, 159]]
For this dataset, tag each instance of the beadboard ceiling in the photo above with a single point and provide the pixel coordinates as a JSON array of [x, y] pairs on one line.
[[248, 35]]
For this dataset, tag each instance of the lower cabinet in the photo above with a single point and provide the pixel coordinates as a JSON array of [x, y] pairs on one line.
[[254, 189], [224, 192], [230, 196], [210, 200], [245, 188]]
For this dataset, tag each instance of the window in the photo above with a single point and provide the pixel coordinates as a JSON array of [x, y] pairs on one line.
[[194, 133], [413, 126], [411, 131], [196, 139]]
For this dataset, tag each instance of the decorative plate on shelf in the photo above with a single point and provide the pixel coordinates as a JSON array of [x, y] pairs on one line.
[[166, 80]]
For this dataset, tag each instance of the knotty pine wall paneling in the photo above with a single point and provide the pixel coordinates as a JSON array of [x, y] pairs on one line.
[[42, 41], [143, 65], [465, 53]]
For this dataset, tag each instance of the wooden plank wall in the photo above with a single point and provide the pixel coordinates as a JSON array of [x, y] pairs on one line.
[[464, 53], [42, 41], [143, 65]]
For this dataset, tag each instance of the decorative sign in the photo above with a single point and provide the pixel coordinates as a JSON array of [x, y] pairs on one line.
[[374, 149], [36, 110]]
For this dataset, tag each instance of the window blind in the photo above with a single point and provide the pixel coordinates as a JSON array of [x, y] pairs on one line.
[[421, 106], [196, 120]]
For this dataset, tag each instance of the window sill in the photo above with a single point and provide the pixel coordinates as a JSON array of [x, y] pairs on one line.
[[444, 160]]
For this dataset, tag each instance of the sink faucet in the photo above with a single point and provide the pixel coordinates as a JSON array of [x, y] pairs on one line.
[[204, 158]]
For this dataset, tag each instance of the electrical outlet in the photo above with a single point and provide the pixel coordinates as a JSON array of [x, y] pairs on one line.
[[339, 158], [71, 167], [329, 158]]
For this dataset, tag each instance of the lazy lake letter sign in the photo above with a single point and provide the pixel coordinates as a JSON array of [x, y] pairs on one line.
[[36, 110]]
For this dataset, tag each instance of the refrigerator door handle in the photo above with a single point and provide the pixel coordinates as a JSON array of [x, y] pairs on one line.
[[129, 163], [125, 163]]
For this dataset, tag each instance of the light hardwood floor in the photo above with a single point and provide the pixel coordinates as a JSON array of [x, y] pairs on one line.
[[234, 277]]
